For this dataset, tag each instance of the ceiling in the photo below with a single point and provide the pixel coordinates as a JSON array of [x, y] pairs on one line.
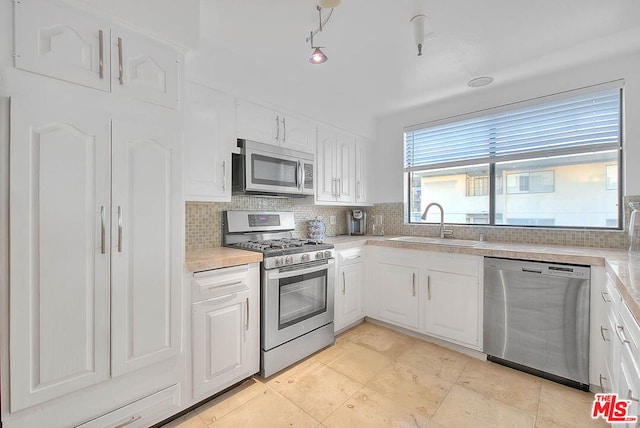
[[373, 66]]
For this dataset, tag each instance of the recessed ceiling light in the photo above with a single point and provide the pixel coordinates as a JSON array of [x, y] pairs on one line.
[[480, 81]]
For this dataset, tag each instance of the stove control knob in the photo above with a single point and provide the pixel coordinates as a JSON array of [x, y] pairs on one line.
[[279, 261], [305, 257], [327, 254], [319, 255], [288, 260]]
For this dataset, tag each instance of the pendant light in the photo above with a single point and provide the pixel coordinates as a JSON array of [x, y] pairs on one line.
[[418, 23], [318, 57]]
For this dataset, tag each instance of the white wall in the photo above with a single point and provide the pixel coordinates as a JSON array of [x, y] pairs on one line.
[[388, 161]]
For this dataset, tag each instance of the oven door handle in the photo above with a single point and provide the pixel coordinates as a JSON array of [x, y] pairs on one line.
[[288, 274]]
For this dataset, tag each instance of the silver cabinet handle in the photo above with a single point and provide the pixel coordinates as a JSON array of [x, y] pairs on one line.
[[344, 283], [120, 64], [601, 386], [414, 284], [224, 176], [119, 229], [358, 190], [101, 51], [619, 331], [333, 188], [103, 231], [247, 326], [353, 257], [602, 330], [130, 421], [284, 130], [278, 128], [602, 293], [428, 287]]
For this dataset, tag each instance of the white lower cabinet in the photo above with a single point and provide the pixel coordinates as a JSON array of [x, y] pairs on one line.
[[141, 413], [225, 333], [349, 290], [451, 308], [399, 302], [433, 293]]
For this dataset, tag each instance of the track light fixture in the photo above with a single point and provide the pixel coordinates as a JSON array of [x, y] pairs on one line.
[[318, 57]]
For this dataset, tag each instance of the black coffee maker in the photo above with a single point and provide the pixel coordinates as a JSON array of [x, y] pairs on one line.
[[356, 222]]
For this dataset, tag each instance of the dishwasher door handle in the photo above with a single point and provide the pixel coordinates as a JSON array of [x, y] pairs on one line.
[[531, 270]]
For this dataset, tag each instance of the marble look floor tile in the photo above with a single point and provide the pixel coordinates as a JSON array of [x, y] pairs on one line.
[[315, 388], [436, 360], [190, 420], [466, 408], [509, 386], [359, 363], [411, 387], [366, 408], [561, 406], [215, 409], [381, 339], [268, 409]]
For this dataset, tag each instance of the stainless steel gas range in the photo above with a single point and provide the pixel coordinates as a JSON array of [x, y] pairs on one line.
[[297, 285]]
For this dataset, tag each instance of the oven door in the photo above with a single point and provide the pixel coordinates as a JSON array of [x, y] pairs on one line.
[[295, 301]]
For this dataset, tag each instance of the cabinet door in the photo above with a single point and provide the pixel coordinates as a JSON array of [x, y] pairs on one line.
[[398, 294], [349, 297], [144, 69], [259, 123], [147, 213], [297, 134], [325, 165], [629, 385], [451, 311], [56, 40], [221, 336], [59, 259], [208, 137], [362, 168], [345, 168]]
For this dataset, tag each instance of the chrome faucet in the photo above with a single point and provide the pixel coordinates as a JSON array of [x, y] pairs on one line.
[[424, 217]]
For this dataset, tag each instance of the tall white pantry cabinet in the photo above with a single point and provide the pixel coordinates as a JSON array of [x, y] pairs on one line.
[[96, 224]]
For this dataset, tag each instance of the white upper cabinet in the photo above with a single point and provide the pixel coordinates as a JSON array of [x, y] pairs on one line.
[[55, 40], [144, 69], [362, 170], [268, 126], [146, 244], [335, 163], [209, 135], [59, 258]]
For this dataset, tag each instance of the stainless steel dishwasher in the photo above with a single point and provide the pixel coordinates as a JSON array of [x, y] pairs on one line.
[[536, 318]]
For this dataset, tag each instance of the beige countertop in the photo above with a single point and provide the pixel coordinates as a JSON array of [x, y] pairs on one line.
[[623, 266], [219, 257]]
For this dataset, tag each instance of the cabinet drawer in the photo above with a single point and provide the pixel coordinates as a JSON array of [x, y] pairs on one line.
[[142, 413], [350, 256], [219, 282]]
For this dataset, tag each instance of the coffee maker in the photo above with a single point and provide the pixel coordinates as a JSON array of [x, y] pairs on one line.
[[356, 222]]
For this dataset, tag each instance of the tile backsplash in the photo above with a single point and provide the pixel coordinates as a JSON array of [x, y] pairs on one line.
[[203, 227]]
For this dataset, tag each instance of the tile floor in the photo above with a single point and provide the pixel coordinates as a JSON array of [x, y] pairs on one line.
[[374, 377]]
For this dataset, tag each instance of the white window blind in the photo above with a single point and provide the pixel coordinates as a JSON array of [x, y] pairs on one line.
[[578, 124]]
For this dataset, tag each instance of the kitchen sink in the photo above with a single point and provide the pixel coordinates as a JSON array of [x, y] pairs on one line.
[[437, 241]]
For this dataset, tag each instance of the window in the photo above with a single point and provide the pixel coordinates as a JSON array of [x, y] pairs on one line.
[[552, 162]]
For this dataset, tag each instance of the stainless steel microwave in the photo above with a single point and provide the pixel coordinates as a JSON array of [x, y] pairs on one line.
[[262, 169]]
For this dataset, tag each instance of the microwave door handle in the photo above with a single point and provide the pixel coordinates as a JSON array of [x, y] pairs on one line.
[[299, 176]]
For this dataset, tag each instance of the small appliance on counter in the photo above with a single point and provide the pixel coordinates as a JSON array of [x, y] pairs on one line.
[[356, 222], [317, 229]]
